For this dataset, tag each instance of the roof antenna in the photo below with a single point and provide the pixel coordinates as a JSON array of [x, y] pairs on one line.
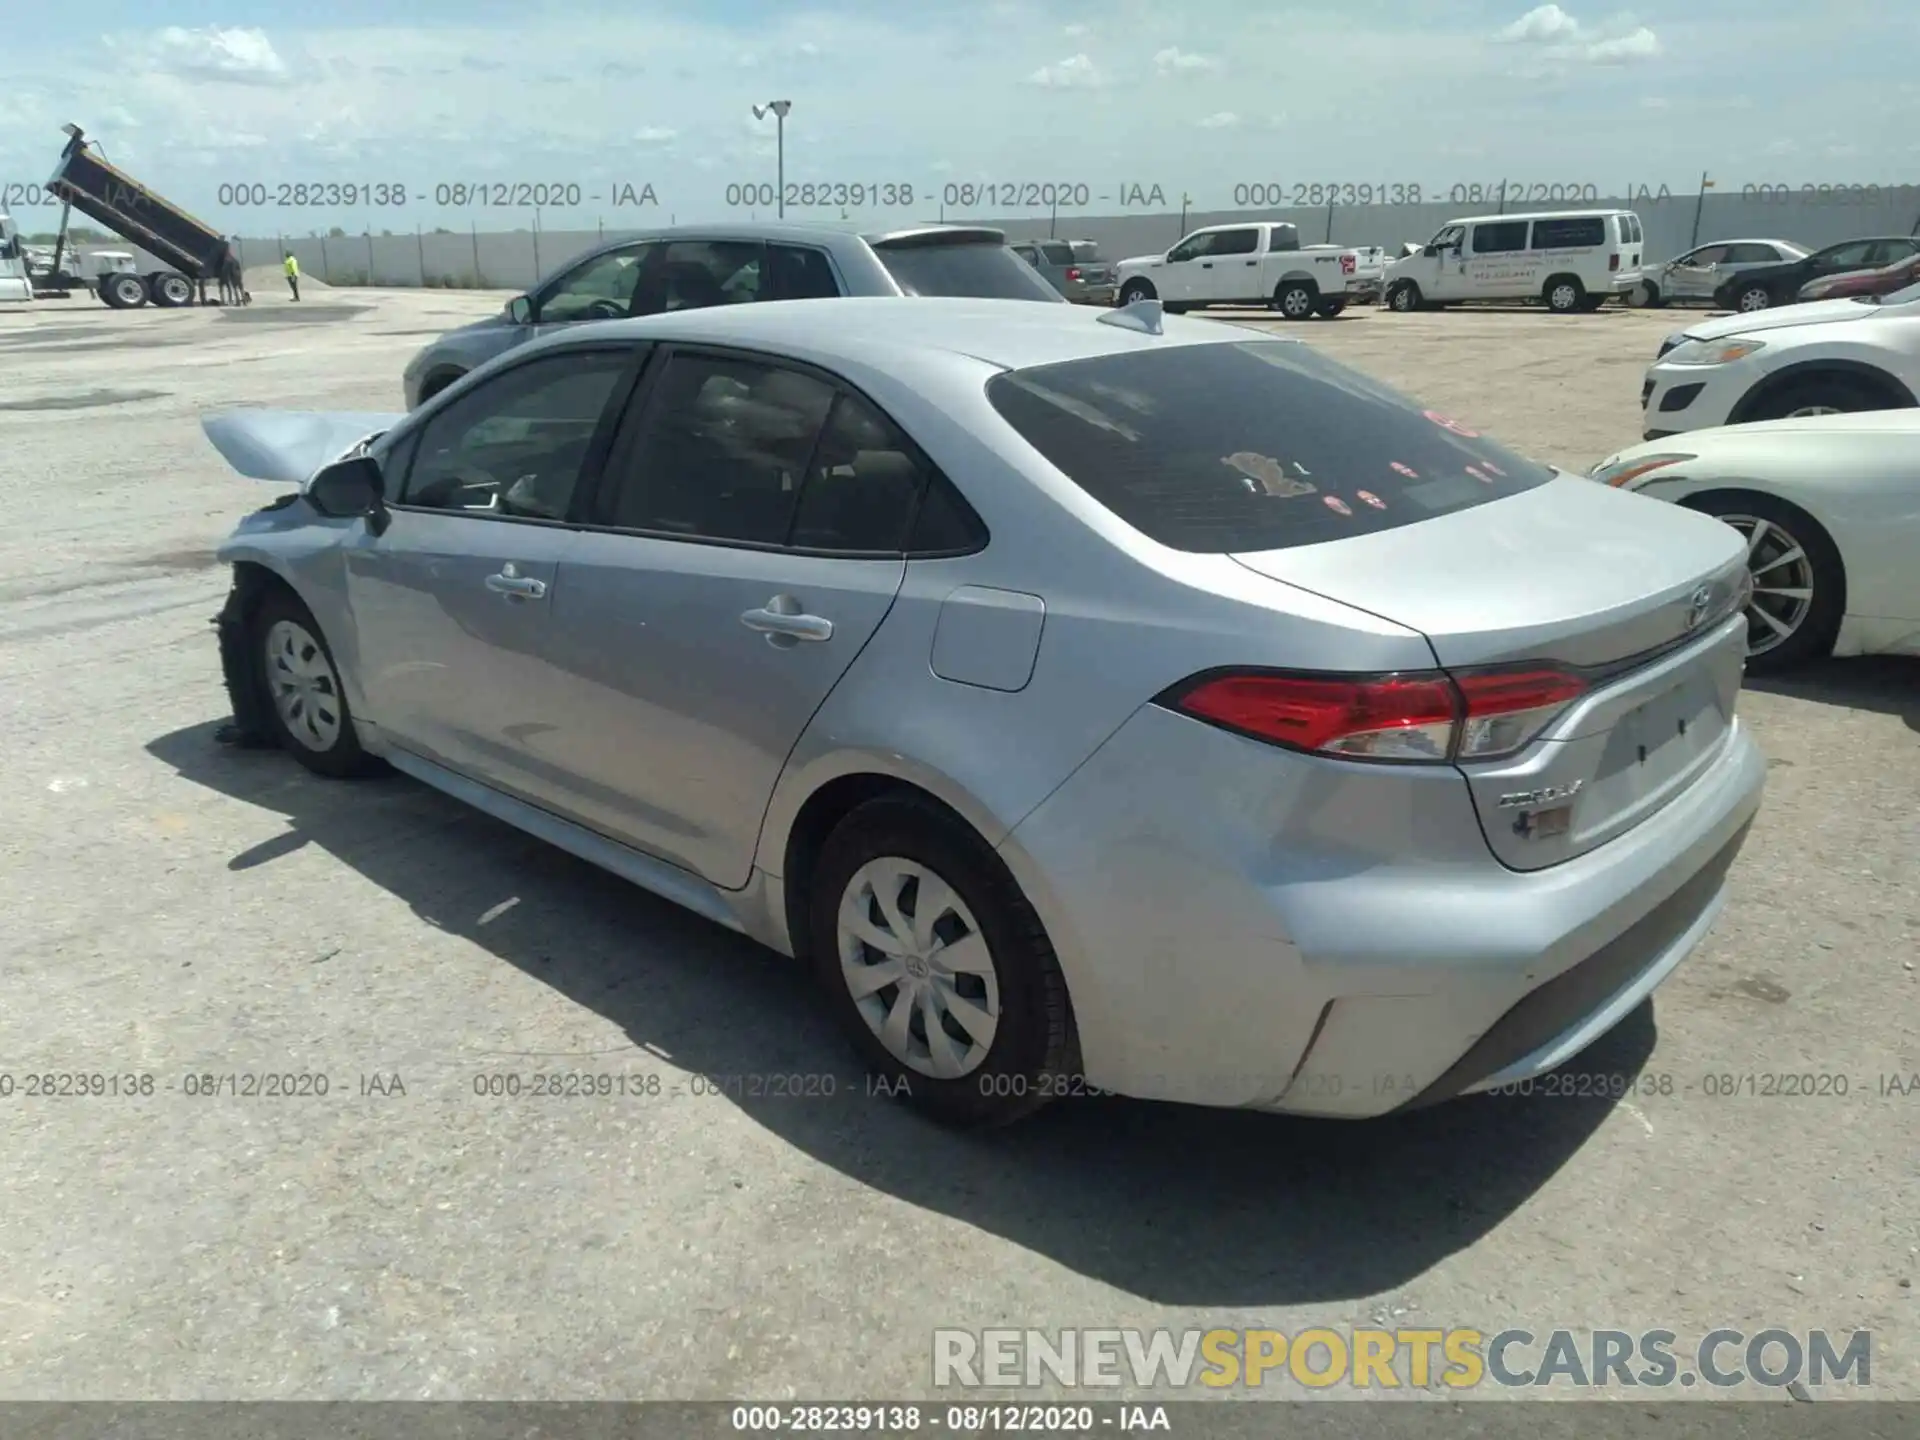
[[1142, 315]]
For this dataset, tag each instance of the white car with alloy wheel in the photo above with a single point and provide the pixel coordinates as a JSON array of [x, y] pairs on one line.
[[1830, 507], [1830, 357]]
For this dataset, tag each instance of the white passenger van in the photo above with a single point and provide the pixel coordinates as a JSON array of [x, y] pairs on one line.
[[1570, 260]]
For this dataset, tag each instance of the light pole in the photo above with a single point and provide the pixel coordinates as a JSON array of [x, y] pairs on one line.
[[779, 109]]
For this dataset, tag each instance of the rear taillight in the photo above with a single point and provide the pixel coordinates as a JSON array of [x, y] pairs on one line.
[[1613, 261], [1073, 274], [1427, 717], [1347, 263]]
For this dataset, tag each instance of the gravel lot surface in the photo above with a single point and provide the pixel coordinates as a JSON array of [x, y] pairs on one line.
[[177, 910]]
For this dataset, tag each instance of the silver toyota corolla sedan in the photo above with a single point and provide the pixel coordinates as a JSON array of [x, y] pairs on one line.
[[1095, 701]]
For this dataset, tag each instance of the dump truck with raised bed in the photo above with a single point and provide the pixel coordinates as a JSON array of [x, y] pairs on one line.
[[193, 250]]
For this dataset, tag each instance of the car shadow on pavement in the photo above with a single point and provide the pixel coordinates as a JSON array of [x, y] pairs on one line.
[[1175, 1204], [1884, 684]]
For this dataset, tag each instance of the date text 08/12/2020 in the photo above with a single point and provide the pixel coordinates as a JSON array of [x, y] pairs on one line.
[[880, 193]]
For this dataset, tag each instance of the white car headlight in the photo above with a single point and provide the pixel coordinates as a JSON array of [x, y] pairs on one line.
[[1712, 352]]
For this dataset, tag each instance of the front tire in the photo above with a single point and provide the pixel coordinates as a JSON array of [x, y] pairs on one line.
[[937, 967], [1295, 300], [1799, 581], [1817, 395], [1404, 297], [1136, 290], [306, 705]]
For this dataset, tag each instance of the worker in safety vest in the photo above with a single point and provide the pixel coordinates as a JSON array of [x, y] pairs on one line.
[[293, 275]]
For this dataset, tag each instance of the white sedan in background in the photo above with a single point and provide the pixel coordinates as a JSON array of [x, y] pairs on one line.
[[1830, 506], [1827, 357]]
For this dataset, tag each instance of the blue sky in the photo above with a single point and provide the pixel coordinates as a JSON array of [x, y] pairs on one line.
[[221, 105]]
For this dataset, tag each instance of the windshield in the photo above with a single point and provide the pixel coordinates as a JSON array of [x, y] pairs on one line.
[[974, 271], [1255, 445]]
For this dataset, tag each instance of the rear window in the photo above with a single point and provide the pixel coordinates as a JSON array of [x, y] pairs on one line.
[[1586, 231], [972, 270], [1255, 445], [1057, 251]]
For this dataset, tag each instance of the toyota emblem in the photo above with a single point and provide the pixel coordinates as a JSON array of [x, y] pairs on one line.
[[1698, 606]]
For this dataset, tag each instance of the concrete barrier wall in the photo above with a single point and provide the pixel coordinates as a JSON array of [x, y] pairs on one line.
[[515, 260]]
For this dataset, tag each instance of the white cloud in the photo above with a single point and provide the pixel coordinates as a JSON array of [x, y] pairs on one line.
[[1637, 44], [1222, 120], [1073, 32], [1563, 38], [1540, 24], [245, 56], [1174, 61], [655, 135], [1076, 72]]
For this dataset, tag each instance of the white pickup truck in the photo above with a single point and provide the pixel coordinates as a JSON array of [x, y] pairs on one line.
[[1256, 264]]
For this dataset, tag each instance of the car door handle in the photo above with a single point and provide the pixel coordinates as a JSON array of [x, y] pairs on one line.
[[1253, 262], [1206, 264], [783, 620], [511, 583]]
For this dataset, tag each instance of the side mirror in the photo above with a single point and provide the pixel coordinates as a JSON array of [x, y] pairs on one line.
[[349, 488], [520, 310], [1430, 251]]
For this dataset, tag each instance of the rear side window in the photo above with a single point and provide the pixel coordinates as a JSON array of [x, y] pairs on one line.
[[800, 272], [975, 270], [1574, 234], [1502, 237], [1255, 445]]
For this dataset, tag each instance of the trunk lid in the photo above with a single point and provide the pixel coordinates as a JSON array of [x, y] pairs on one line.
[[1642, 597]]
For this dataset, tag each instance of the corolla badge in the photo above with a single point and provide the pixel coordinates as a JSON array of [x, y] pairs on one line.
[[1698, 606], [1544, 796]]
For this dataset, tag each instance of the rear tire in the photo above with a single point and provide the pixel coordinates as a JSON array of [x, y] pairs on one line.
[[1564, 294], [1015, 1049], [1404, 296], [1786, 532], [305, 704], [172, 292], [1295, 299], [1747, 299]]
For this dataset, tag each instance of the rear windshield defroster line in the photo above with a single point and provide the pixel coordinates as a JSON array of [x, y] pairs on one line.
[[1261, 445]]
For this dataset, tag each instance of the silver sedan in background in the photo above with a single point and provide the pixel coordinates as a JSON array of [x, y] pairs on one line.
[[1096, 702], [694, 266], [1693, 278]]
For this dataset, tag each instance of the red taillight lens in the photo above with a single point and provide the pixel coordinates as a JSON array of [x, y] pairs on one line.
[[1073, 274], [1426, 717], [1347, 263], [1613, 262]]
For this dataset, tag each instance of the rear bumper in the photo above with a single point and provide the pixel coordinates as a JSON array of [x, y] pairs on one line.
[[1325, 939]]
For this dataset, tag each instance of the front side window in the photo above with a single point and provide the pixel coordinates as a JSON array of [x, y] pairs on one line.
[[1254, 445], [719, 453], [599, 289], [1194, 247], [1500, 237], [1449, 238], [515, 445]]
